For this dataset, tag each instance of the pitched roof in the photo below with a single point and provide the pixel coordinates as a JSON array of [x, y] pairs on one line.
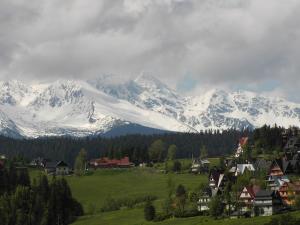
[[243, 141], [61, 164], [241, 168], [262, 164]]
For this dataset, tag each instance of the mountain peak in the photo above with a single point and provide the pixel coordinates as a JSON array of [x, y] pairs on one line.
[[76, 107]]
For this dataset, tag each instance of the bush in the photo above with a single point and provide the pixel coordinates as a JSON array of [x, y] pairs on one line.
[[284, 220], [177, 166], [111, 204], [149, 211]]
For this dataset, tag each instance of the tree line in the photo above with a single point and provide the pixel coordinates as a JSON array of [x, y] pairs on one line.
[[134, 146]]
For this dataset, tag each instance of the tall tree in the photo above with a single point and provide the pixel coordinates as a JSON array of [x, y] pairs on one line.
[[80, 162], [181, 197], [156, 150], [172, 150], [203, 152]]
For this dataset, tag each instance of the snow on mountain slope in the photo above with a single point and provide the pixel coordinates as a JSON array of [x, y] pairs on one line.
[[81, 108]]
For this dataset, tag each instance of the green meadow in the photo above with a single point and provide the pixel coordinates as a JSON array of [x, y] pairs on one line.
[[92, 190]]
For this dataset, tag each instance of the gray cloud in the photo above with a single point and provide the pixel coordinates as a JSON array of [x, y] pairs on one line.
[[234, 43]]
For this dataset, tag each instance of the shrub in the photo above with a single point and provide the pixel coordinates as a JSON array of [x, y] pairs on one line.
[[149, 211], [111, 204]]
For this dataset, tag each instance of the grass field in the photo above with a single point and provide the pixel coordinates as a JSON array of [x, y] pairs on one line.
[[92, 191], [95, 188]]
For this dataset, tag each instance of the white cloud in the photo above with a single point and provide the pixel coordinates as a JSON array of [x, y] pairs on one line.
[[231, 43]]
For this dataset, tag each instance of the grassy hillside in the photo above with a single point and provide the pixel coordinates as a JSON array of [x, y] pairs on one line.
[[92, 191], [95, 188]]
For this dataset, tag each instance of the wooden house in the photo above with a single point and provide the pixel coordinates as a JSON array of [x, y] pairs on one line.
[[217, 181], [204, 200], [200, 166], [240, 169], [247, 197], [242, 142], [288, 191], [57, 168], [267, 203]]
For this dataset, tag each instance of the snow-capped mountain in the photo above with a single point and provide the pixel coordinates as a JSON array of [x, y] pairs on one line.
[[105, 104]]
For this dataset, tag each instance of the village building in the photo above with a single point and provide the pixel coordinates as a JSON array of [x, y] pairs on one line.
[[267, 203], [242, 142], [247, 197], [105, 162], [275, 182], [38, 162], [204, 200], [262, 165], [240, 169], [200, 166], [217, 181], [57, 168], [287, 191]]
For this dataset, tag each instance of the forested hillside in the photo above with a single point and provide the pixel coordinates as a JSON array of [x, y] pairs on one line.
[[134, 146]]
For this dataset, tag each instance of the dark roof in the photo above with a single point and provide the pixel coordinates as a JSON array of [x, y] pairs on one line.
[[285, 165], [51, 164], [262, 164], [61, 164], [264, 194], [55, 164]]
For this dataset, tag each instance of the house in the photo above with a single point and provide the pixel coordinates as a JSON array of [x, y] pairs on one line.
[[38, 162], [200, 166], [275, 182], [262, 165], [287, 190], [293, 145], [267, 203], [282, 166], [204, 200], [247, 197], [242, 142], [240, 169], [57, 168], [111, 163], [217, 181]]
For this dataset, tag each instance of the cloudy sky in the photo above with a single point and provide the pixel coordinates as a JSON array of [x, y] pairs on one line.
[[191, 44]]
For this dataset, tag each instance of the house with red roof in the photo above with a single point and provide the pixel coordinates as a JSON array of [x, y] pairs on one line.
[[105, 162], [242, 142], [247, 197]]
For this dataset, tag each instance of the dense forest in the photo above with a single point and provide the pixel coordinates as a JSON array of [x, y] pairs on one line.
[[134, 146], [137, 146], [38, 203]]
